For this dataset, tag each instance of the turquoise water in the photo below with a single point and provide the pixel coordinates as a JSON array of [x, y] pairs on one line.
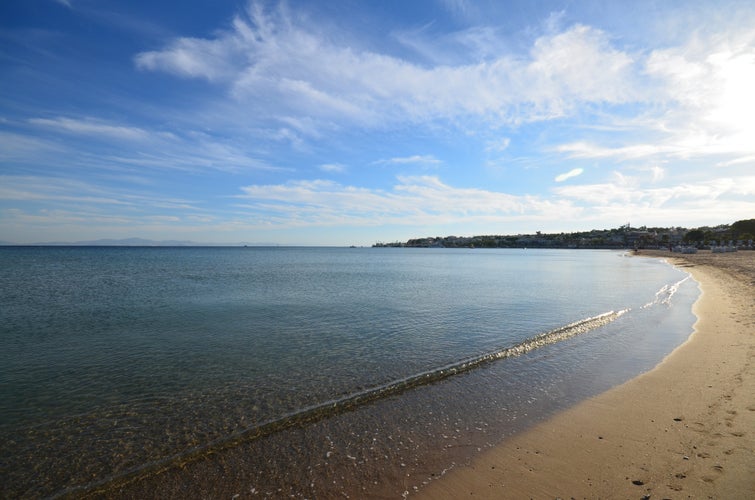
[[116, 362]]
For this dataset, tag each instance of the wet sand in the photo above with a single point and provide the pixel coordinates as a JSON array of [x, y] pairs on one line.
[[686, 429]]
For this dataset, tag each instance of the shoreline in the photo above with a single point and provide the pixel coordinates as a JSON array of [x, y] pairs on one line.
[[682, 429]]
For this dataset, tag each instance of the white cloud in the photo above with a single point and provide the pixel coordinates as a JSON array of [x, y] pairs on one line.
[[426, 200], [711, 78], [62, 191], [658, 173], [413, 200], [91, 127], [475, 43], [188, 151], [336, 168], [568, 175], [275, 63], [418, 159], [18, 147], [703, 104], [457, 7], [191, 57], [711, 201], [498, 145], [31, 188], [583, 149], [695, 103], [581, 65], [737, 161]]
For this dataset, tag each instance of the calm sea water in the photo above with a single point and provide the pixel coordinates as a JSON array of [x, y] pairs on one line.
[[310, 372]]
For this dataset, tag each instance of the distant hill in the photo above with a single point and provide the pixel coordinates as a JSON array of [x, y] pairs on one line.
[[135, 242], [739, 233], [105, 242]]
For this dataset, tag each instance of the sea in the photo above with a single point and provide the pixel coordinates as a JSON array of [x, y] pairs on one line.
[[291, 372]]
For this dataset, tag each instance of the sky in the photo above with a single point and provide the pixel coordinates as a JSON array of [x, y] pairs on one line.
[[347, 122]]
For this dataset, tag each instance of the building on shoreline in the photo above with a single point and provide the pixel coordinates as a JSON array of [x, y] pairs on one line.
[[622, 237]]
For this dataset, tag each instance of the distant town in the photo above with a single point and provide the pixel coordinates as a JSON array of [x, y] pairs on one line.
[[739, 234]]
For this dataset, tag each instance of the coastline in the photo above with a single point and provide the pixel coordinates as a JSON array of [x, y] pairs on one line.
[[683, 429]]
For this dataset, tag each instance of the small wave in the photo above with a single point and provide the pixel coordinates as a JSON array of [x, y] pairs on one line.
[[346, 403], [663, 296]]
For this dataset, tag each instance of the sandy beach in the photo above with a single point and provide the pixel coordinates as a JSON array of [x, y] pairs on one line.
[[686, 429]]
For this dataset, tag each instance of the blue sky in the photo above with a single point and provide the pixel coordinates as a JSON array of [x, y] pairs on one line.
[[351, 122]]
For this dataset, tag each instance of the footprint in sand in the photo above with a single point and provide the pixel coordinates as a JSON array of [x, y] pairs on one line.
[[697, 426]]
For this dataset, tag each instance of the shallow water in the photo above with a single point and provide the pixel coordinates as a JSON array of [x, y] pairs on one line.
[[305, 371]]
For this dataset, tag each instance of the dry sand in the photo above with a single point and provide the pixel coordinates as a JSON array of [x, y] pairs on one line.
[[686, 429]]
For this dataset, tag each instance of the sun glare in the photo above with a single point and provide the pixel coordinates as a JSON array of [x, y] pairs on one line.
[[734, 106]]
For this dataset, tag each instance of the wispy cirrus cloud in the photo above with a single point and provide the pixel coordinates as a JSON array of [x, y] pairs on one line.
[[55, 189], [19, 147], [412, 200], [685, 101], [427, 200], [498, 146], [336, 168], [269, 52], [702, 105], [189, 150], [582, 149], [742, 160], [91, 126], [631, 197], [55, 207], [407, 160], [568, 175], [61, 191]]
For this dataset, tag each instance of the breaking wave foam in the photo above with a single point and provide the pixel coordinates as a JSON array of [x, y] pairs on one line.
[[663, 296]]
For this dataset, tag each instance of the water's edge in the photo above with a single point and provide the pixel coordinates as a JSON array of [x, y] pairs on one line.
[[333, 407]]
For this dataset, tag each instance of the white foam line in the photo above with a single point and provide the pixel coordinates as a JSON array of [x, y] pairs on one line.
[[319, 411], [663, 296]]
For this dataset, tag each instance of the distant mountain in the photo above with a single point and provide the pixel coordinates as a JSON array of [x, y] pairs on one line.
[[137, 242], [125, 242]]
